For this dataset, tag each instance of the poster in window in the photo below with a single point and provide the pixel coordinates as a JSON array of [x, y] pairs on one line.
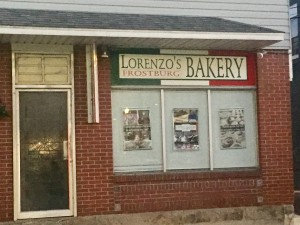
[[136, 129], [232, 128], [185, 123]]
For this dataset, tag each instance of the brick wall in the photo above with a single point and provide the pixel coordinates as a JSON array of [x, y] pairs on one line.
[[274, 119], [6, 146], [93, 142], [186, 190]]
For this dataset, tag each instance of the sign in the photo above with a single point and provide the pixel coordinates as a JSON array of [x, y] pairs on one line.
[[232, 128], [136, 129], [185, 122], [182, 67]]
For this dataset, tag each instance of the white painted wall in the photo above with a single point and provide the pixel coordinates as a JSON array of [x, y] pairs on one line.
[[267, 13]]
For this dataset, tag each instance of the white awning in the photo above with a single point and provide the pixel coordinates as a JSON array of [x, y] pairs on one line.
[[140, 38]]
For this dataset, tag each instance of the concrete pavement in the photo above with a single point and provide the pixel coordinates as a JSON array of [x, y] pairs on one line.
[[295, 220]]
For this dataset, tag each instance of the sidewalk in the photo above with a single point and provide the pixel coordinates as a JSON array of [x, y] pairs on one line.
[[295, 220]]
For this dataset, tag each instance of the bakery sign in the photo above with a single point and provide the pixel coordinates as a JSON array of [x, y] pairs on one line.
[[183, 67]]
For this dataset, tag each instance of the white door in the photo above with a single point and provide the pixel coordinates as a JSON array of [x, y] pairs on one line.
[[44, 154], [44, 136]]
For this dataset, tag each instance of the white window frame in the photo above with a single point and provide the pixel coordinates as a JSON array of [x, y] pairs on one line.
[[209, 111]]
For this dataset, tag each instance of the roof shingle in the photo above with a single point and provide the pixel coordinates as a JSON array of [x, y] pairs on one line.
[[87, 20]]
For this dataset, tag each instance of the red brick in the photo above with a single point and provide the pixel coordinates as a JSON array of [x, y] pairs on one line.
[[6, 151]]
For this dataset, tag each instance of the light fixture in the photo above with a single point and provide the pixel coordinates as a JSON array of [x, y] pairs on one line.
[[126, 110], [261, 54], [104, 54]]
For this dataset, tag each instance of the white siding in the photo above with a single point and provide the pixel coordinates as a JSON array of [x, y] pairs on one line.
[[268, 13]]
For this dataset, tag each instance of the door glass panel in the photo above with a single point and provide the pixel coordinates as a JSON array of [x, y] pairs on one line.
[[43, 151]]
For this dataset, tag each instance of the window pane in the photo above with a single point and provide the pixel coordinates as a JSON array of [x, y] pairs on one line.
[[44, 170], [234, 129], [29, 69], [137, 136], [43, 69], [187, 156]]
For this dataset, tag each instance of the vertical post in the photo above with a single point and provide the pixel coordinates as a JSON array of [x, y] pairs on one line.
[[92, 83], [211, 154], [163, 126], [290, 64]]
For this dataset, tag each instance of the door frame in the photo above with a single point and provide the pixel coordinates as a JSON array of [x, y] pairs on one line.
[[69, 89], [46, 213]]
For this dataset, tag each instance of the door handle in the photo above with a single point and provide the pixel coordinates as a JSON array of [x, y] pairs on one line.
[[65, 150]]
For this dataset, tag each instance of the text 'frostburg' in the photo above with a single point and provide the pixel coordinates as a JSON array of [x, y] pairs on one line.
[[182, 67]]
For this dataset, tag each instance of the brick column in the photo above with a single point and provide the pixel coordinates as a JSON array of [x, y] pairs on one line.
[[93, 142], [6, 136], [274, 121]]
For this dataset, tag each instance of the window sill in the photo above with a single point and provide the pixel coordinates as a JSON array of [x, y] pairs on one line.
[[186, 175]]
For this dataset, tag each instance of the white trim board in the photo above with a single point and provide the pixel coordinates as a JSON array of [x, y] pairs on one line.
[[140, 33], [38, 48]]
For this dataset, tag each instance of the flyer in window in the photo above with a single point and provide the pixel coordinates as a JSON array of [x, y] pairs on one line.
[[136, 129], [185, 129], [232, 128]]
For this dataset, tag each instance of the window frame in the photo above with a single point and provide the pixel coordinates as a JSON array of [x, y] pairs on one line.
[[208, 90]]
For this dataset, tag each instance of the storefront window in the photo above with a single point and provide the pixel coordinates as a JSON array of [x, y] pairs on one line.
[[234, 136], [185, 157], [137, 144], [174, 129]]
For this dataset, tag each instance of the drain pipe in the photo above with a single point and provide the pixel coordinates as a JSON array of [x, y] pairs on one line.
[[92, 83], [291, 65]]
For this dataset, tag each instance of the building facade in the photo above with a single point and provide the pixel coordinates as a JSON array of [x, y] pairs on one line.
[[183, 105], [295, 94]]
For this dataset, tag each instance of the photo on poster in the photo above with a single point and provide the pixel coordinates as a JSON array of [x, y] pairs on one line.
[[136, 129], [185, 128], [232, 128]]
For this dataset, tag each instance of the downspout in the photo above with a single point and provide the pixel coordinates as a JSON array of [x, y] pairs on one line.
[[92, 83]]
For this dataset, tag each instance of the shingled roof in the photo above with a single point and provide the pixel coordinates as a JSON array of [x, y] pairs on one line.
[[88, 20], [132, 30]]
